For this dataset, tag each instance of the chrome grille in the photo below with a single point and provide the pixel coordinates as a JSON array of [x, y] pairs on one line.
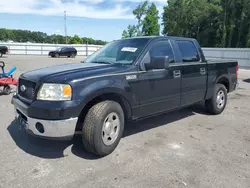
[[26, 89]]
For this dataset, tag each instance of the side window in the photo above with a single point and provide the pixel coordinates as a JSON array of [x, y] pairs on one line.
[[188, 51], [162, 48]]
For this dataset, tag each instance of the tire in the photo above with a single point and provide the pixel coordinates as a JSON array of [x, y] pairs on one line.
[[95, 135], [56, 55], [73, 55], [215, 106], [1, 55], [6, 90]]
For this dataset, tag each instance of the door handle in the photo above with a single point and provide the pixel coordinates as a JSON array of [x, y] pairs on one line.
[[177, 74], [202, 70]]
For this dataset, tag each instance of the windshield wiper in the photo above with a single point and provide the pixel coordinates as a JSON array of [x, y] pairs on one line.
[[102, 62]]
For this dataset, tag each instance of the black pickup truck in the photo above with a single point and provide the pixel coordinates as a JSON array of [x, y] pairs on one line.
[[3, 50], [125, 80]]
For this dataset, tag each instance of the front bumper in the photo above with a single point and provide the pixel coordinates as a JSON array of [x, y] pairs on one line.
[[50, 129]]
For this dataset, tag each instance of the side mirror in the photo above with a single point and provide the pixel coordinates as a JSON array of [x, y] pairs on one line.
[[159, 62]]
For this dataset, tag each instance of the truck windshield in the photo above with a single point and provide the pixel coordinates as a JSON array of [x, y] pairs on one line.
[[119, 52]]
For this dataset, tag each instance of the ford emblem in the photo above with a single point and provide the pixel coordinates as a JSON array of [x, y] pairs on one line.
[[23, 88]]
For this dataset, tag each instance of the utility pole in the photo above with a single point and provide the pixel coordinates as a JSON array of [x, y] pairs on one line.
[[65, 27]]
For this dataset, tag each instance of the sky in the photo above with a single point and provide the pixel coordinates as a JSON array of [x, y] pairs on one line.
[[99, 19]]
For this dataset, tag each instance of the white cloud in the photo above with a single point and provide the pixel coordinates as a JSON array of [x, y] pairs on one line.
[[139, 1], [74, 8], [79, 8]]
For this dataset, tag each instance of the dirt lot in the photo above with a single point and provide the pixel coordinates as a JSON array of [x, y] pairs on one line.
[[188, 148]]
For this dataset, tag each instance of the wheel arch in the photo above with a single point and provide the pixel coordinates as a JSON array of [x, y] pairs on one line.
[[102, 96], [224, 80]]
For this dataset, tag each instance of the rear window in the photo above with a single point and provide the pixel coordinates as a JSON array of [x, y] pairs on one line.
[[188, 51]]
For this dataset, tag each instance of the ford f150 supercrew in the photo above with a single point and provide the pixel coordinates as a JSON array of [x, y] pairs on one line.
[[125, 80]]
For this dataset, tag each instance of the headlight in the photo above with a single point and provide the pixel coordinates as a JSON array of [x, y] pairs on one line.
[[55, 92]]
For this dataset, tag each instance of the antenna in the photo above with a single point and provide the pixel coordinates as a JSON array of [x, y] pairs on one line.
[[65, 27]]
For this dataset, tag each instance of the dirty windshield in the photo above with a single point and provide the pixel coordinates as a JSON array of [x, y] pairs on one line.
[[122, 52]]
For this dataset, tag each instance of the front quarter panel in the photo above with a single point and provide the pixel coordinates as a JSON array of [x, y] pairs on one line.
[[87, 89]]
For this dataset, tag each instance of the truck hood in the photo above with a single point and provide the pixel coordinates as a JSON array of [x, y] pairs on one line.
[[68, 72], [64, 72]]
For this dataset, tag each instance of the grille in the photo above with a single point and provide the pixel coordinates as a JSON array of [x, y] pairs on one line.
[[29, 91]]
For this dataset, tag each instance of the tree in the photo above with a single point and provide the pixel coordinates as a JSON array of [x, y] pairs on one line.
[[139, 12], [125, 34], [130, 32], [214, 23], [136, 30], [75, 40], [248, 39], [40, 37], [150, 22]]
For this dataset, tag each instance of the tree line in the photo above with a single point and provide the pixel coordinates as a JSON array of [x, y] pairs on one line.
[[40, 37], [214, 23]]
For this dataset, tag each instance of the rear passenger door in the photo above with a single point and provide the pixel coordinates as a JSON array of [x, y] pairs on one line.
[[193, 73]]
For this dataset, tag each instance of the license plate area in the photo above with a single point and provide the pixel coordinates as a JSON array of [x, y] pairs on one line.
[[21, 119]]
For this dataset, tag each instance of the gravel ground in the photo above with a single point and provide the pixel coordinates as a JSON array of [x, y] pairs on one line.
[[187, 148]]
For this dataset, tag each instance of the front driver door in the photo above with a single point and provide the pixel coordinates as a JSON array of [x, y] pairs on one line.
[[64, 52], [159, 90]]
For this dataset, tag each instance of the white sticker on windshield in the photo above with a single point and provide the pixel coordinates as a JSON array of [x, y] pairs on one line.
[[128, 49]]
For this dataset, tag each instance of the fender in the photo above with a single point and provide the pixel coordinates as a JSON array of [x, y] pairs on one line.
[[96, 88], [224, 76], [212, 83]]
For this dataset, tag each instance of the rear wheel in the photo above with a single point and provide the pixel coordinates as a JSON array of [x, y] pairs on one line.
[[103, 127], [7, 90], [218, 102], [73, 55]]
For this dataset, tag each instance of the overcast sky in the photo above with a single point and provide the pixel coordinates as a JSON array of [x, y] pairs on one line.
[[99, 19]]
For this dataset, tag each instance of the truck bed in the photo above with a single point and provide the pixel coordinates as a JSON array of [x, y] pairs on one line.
[[211, 61]]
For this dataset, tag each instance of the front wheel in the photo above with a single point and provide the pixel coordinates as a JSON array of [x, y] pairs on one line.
[[218, 102], [103, 128]]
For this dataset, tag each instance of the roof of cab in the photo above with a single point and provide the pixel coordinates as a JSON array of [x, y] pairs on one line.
[[155, 37]]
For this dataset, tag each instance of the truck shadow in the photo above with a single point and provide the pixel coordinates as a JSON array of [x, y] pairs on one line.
[[162, 120], [55, 149], [43, 148], [247, 80]]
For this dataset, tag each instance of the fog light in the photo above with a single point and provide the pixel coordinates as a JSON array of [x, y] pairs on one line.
[[40, 127]]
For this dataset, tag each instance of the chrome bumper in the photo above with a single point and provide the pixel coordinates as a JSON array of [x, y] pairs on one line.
[[46, 128]]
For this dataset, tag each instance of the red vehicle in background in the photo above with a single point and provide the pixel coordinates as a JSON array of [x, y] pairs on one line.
[[6, 79]]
